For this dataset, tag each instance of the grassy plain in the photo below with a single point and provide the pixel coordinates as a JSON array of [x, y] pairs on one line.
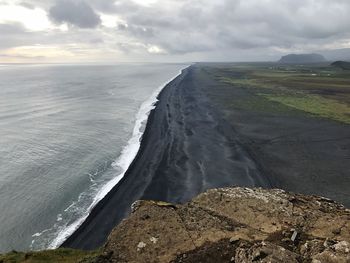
[[318, 90]]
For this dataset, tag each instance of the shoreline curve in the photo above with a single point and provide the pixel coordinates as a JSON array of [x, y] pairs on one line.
[[124, 163]]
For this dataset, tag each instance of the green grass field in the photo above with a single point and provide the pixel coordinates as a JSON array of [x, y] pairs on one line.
[[320, 90]]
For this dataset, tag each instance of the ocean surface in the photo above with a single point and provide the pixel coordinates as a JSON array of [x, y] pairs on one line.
[[67, 135]]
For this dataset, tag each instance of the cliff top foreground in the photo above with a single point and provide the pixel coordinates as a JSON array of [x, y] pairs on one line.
[[231, 225], [234, 225]]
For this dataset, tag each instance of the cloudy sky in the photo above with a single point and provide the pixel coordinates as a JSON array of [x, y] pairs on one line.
[[169, 30]]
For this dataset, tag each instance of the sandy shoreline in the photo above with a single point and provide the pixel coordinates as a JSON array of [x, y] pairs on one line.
[[175, 160]]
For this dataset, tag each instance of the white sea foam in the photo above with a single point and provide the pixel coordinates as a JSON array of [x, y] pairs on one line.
[[122, 163]]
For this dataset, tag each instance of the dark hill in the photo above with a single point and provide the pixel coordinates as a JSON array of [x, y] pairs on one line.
[[302, 58], [341, 64]]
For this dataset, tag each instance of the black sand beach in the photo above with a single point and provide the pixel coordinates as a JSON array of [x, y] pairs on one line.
[[193, 142]]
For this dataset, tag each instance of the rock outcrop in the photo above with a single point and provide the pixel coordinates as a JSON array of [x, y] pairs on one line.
[[302, 59], [234, 225]]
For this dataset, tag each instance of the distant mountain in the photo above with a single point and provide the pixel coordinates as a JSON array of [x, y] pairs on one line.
[[336, 54], [302, 59], [341, 64]]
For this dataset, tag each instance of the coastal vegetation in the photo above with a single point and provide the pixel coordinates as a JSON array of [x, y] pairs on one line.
[[57, 255], [320, 90]]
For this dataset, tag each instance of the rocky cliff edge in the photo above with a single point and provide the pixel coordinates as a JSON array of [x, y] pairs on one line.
[[234, 225]]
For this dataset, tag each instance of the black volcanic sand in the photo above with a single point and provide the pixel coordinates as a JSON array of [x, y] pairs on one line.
[[296, 151], [194, 142]]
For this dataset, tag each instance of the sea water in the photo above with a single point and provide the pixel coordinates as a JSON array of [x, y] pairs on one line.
[[67, 135]]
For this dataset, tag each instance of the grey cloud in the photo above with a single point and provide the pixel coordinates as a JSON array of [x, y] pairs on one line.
[[77, 13], [12, 35], [16, 35], [130, 47], [114, 6], [106, 6], [96, 41], [200, 29], [21, 56], [203, 26], [11, 29], [27, 5], [137, 31]]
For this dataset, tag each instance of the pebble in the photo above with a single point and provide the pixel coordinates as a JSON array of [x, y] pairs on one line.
[[294, 236], [336, 231], [141, 245], [234, 240], [145, 217], [153, 240], [342, 246]]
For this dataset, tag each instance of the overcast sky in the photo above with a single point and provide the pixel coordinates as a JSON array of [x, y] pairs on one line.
[[169, 30]]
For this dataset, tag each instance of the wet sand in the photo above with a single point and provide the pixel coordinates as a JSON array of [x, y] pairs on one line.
[[193, 142]]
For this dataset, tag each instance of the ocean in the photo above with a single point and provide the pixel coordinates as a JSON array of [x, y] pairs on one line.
[[67, 135]]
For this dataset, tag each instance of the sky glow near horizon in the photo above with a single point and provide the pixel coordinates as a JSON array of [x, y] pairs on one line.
[[168, 30]]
